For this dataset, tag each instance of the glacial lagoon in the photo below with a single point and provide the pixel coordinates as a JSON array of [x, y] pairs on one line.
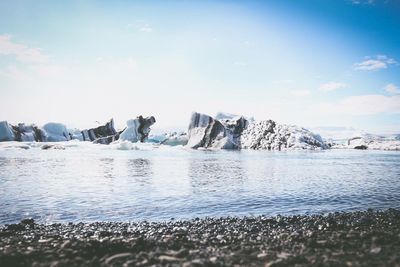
[[88, 182]]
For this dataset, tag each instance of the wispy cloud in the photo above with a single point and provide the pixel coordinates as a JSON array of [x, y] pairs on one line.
[[146, 28], [36, 63], [300, 92], [361, 105], [21, 52], [332, 86], [391, 88], [374, 64], [362, 2]]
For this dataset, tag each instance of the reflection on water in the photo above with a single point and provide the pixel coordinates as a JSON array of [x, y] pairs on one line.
[[209, 175], [108, 167], [140, 169], [93, 184]]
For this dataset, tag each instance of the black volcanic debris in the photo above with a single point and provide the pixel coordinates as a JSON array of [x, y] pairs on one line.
[[369, 238]]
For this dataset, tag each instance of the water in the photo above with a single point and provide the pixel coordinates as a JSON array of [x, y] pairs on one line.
[[87, 182]]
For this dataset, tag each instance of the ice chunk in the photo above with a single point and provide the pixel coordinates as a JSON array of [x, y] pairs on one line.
[[137, 129], [270, 135], [6, 132], [56, 132], [207, 132], [170, 139]]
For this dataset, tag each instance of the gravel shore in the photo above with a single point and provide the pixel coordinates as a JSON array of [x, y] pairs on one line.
[[368, 238]]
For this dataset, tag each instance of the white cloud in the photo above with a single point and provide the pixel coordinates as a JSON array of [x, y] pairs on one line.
[[146, 28], [363, 2], [391, 88], [379, 62], [361, 105], [332, 86], [21, 52], [300, 92]]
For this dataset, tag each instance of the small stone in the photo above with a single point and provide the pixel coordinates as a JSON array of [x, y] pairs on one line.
[[117, 256], [283, 255], [45, 240], [262, 255], [375, 250], [213, 259], [166, 258], [197, 262], [28, 221]]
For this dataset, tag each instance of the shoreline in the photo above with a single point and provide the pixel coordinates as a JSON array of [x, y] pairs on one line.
[[364, 238]]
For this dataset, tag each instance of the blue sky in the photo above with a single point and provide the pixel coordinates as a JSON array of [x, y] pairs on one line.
[[310, 63]]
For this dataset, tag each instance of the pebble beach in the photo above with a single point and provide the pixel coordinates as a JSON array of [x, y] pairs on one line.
[[365, 238]]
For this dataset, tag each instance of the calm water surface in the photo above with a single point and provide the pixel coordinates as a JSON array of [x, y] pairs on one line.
[[101, 183]]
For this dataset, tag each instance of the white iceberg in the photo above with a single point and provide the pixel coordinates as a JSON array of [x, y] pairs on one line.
[[374, 142], [207, 132], [6, 132], [236, 132], [170, 139], [56, 132]]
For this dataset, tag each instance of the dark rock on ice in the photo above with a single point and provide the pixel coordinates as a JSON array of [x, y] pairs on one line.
[[52, 146], [361, 147]]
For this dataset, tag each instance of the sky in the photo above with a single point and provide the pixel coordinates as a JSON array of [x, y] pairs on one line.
[[326, 63]]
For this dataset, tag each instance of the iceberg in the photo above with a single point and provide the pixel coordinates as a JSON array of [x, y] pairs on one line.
[[56, 132], [6, 132], [374, 142], [176, 139], [237, 132], [223, 116], [136, 130], [207, 132], [170, 139], [99, 132], [21, 132], [270, 135]]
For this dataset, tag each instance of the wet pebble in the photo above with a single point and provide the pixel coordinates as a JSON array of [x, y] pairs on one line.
[[301, 240]]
